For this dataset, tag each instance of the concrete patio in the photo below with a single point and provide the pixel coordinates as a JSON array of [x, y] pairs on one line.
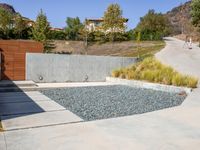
[[32, 109], [174, 128]]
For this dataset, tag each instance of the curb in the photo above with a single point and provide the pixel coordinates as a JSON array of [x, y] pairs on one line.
[[147, 85]]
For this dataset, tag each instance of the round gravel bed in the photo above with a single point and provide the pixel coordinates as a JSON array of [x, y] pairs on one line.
[[101, 102]]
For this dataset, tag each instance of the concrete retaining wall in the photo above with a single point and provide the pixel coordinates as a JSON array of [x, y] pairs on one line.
[[72, 68]]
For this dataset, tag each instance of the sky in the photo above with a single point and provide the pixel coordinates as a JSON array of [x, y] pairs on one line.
[[58, 10]]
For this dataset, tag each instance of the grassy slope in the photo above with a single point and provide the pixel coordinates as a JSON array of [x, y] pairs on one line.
[[149, 50], [127, 48]]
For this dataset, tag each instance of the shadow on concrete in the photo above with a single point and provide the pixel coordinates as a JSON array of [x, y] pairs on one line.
[[16, 103]]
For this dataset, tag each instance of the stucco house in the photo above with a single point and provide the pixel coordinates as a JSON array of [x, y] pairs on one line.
[[96, 25]]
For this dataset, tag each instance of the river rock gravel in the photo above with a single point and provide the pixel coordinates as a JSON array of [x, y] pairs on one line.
[[102, 102]]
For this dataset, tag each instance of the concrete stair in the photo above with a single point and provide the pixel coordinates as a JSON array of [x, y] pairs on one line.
[[17, 86]]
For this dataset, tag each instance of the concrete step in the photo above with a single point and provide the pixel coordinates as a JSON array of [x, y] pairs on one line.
[[7, 83], [17, 89], [16, 86], [27, 108]]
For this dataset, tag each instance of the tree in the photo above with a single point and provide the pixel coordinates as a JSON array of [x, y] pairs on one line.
[[195, 12], [73, 28], [6, 19], [41, 30], [57, 35], [153, 26], [19, 26], [113, 20]]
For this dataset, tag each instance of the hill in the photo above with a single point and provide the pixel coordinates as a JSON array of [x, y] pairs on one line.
[[8, 8], [180, 20]]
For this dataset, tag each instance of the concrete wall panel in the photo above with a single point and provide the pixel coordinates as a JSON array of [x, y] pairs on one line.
[[72, 68]]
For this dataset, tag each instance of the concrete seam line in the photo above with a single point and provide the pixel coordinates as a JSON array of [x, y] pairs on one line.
[[4, 136], [43, 126]]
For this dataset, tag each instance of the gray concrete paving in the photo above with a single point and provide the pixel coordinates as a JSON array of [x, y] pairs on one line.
[[20, 110], [17, 94], [22, 103], [39, 119], [174, 129], [2, 142], [182, 59], [194, 99], [28, 107], [23, 98]]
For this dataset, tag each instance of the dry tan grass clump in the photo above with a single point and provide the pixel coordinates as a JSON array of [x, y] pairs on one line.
[[152, 70]]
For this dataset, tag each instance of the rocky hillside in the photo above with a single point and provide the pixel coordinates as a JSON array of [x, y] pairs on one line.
[[180, 19], [8, 7]]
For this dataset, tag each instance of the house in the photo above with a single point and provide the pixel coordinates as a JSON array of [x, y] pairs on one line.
[[96, 25], [30, 23], [56, 29]]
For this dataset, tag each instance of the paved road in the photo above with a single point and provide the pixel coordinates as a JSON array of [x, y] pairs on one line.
[[180, 57], [177, 128]]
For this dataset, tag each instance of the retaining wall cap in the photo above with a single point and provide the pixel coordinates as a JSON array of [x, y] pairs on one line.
[[148, 85]]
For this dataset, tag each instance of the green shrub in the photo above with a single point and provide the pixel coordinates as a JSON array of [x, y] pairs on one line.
[[152, 70], [57, 35]]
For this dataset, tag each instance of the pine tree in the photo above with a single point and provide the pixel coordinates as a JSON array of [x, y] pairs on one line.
[[6, 19], [41, 31], [73, 28]]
